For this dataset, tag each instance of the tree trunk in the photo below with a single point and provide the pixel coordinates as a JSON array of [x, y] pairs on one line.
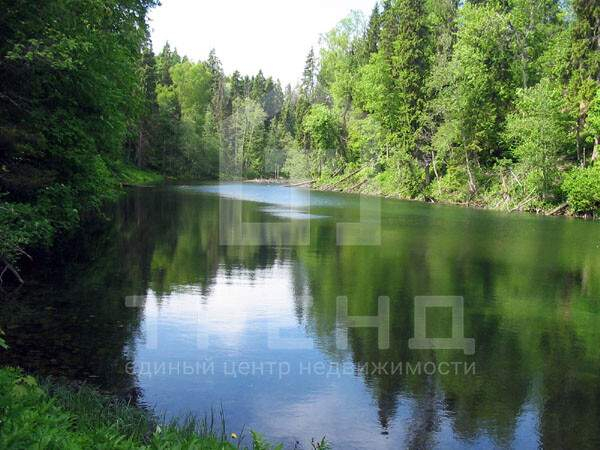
[[139, 153], [472, 186]]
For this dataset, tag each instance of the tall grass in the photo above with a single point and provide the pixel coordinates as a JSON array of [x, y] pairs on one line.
[[51, 415]]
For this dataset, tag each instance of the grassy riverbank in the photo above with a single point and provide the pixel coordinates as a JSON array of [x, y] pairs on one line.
[[47, 415], [364, 180], [131, 175]]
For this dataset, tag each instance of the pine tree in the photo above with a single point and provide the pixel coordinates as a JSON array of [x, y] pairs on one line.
[[585, 69], [373, 32], [149, 105], [165, 60], [405, 47], [309, 75], [218, 101]]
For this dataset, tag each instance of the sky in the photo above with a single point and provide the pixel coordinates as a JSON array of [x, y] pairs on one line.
[[248, 35]]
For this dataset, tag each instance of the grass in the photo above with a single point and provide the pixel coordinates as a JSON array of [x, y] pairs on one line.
[[128, 174], [49, 415]]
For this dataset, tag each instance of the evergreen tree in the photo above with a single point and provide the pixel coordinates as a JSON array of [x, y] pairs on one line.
[[585, 71], [166, 59]]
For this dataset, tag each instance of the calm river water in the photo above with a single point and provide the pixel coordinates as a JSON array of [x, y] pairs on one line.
[[232, 296]]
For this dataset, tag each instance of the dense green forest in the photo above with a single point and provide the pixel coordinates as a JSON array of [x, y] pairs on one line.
[[491, 103]]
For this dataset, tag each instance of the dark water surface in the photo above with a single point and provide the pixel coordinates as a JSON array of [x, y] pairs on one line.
[[154, 306]]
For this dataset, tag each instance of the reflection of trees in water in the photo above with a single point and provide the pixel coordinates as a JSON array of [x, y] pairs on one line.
[[515, 286], [71, 320]]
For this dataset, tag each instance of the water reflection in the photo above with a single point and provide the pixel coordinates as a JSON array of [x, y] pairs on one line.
[[530, 285]]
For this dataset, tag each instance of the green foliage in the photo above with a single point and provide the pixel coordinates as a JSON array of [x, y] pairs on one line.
[[366, 139], [476, 88], [297, 165], [453, 187], [50, 416], [322, 128], [322, 133], [582, 186], [593, 119], [242, 153], [3, 343], [259, 443], [539, 133], [338, 63], [21, 226], [69, 93], [134, 176]]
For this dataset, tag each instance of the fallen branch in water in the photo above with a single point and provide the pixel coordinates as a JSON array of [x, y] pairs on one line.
[[358, 185], [9, 267], [347, 177], [557, 209], [301, 184]]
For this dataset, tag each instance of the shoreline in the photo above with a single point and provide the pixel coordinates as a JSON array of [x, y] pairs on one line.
[[64, 414], [561, 210]]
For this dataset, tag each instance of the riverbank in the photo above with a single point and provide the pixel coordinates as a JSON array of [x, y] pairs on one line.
[[128, 175], [48, 415], [27, 226], [362, 182]]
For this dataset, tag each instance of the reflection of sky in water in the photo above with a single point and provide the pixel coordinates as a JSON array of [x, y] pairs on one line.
[[290, 198], [271, 194], [291, 214], [237, 315]]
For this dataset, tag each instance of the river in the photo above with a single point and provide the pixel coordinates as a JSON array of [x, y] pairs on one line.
[[306, 314]]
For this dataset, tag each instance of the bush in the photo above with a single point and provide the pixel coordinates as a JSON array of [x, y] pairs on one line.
[[582, 187], [21, 226], [452, 187]]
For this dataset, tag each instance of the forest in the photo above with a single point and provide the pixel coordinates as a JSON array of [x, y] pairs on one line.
[[490, 103]]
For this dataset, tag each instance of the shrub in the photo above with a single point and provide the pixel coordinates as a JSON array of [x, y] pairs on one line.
[[21, 226], [582, 186]]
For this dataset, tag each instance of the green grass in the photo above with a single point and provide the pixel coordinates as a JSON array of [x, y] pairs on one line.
[[49, 415], [128, 174]]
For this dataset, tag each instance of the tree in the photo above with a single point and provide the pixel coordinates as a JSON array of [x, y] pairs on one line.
[[373, 33], [218, 101], [145, 139], [539, 133], [322, 129], [309, 75], [585, 69], [475, 91], [339, 67], [533, 24], [69, 92], [165, 60], [243, 152]]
